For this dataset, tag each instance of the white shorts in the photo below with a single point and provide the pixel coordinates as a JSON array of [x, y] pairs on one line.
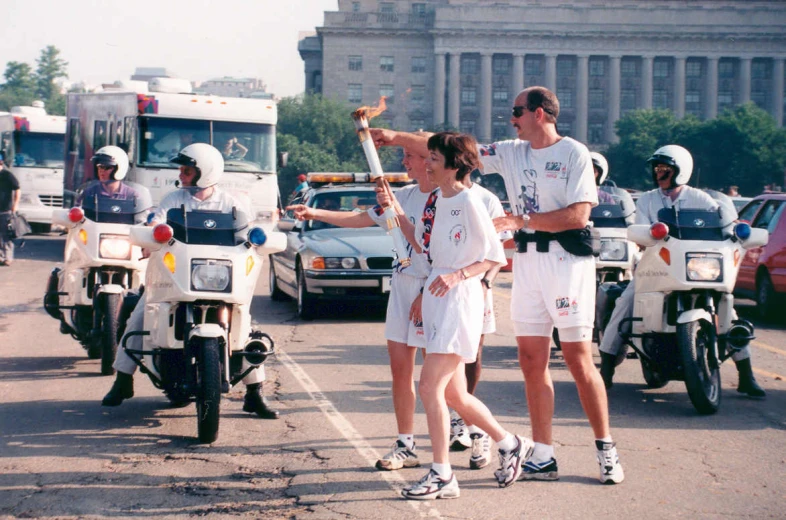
[[489, 322], [453, 323], [552, 289], [398, 327]]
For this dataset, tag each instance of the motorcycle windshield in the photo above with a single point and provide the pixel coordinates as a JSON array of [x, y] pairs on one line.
[[697, 224], [127, 204], [615, 208], [210, 228]]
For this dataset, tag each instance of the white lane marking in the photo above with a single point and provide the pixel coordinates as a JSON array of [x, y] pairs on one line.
[[345, 428]]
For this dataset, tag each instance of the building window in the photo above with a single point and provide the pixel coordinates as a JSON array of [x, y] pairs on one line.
[[387, 91], [468, 96], [597, 132], [760, 98], [419, 9], [469, 65], [467, 127], [760, 70], [725, 98], [597, 67], [500, 96], [355, 7], [418, 93], [418, 64], [725, 69], [597, 98], [627, 99], [499, 130], [386, 63], [565, 128], [417, 124], [501, 65], [565, 67], [533, 66], [660, 98], [387, 7], [565, 98], [661, 69], [693, 69], [356, 63], [355, 93], [693, 101], [629, 68]]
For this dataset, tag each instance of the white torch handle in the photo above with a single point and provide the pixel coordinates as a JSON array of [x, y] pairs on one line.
[[399, 240], [373, 159]]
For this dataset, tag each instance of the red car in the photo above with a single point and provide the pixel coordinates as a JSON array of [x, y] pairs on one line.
[[762, 275]]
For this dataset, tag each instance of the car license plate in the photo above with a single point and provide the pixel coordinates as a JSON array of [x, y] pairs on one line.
[[385, 284]]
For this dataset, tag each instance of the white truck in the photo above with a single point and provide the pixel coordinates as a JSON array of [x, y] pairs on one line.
[[35, 156], [155, 120]]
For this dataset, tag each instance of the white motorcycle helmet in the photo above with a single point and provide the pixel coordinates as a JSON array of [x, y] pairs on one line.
[[206, 159], [599, 162], [111, 156], [677, 157]]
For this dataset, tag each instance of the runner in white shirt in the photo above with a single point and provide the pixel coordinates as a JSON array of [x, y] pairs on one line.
[[201, 166], [402, 334], [671, 167]]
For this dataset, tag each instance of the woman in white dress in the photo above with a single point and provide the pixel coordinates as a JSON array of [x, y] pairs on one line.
[[458, 236]]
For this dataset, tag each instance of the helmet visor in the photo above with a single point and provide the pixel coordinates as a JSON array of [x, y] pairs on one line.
[[183, 160], [105, 159]]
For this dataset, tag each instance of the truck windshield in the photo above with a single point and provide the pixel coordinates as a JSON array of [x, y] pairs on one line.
[[246, 147], [39, 150]]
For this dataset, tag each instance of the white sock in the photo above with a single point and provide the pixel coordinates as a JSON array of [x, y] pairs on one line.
[[443, 470], [605, 439], [542, 453], [508, 443], [408, 439], [474, 429]]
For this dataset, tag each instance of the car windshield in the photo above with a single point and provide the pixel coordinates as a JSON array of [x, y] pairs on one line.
[[39, 150], [360, 200], [246, 147], [129, 205], [615, 208]]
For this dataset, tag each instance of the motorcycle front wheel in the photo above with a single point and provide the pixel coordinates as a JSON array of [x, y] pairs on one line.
[[208, 399], [702, 380], [110, 321]]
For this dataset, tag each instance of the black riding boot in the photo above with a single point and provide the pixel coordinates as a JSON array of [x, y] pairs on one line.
[[254, 402], [122, 389], [748, 384], [608, 362]]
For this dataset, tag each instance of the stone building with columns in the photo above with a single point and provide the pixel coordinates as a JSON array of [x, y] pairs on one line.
[[460, 63]]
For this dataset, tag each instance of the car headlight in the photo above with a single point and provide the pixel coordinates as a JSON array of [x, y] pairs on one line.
[[211, 275], [116, 247], [613, 250], [705, 267], [334, 263]]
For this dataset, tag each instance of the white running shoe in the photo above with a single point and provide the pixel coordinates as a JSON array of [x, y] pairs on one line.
[[510, 461], [481, 450], [459, 433], [432, 487], [399, 457], [609, 462]]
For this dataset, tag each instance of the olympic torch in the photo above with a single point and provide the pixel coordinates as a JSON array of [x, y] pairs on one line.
[[361, 117]]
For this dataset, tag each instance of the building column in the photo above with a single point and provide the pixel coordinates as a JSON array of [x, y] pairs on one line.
[[439, 90], [483, 129], [777, 90], [517, 85], [614, 97], [679, 86], [454, 90], [551, 72], [582, 97], [711, 106], [745, 80], [646, 81]]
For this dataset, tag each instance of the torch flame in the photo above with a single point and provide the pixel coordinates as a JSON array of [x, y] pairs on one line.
[[370, 112]]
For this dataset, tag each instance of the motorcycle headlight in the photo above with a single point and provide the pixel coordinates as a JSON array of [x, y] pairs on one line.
[[705, 267], [115, 247], [613, 250], [211, 275]]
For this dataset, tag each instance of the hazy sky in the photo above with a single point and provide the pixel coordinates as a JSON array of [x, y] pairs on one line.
[[105, 40]]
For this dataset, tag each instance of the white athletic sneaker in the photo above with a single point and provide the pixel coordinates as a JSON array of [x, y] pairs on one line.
[[432, 487], [510, 461], [609, 462], [399, 457], [459, 433], [481, 450]]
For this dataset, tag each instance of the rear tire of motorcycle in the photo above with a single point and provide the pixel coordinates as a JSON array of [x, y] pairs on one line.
[[702, 381], [208, 399], [306, 303], [652, 378], [109, 327], [276, 294]]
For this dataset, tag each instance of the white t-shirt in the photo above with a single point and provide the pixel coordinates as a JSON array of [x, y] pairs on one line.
[[492, 204], [650, 203], [412, 201], [542, 180], [219, 200]]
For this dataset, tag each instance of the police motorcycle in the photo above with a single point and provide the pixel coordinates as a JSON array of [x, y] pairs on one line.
[[682, 324], [101, 267], [197, 340]]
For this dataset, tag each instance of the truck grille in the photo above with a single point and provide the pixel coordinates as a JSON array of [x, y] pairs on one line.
[[53, 201], [380, 262]]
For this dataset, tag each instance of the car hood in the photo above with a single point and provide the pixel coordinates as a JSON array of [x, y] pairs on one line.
[[349, 242]]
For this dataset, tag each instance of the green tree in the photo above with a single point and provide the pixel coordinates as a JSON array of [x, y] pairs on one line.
[[51, 67], [19, 85]]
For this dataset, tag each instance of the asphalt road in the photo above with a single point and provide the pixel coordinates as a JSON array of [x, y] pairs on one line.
[[64, 456]]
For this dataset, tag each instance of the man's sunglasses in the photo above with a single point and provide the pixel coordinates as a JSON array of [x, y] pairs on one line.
[[518, 110]]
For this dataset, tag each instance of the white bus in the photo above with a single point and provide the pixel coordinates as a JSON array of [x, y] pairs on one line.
[[37, 162], [152, 124]]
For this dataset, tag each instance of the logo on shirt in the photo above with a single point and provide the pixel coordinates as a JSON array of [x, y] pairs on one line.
[[210, 224], [488, 150], [455, 212], [562, 304], [574, 307], [553, 166], [458, 234]]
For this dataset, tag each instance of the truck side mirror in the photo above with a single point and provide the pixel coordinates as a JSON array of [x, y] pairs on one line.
[[282, 159]]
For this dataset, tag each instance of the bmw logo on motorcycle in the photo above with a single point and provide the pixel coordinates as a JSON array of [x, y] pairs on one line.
[[698, 222], [210, 224], [115, 209]]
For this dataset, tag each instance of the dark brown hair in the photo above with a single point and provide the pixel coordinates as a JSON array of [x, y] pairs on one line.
[[541, 97], [460, 151]]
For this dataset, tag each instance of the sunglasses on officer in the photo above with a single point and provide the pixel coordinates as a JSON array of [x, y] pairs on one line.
[[663, 168]]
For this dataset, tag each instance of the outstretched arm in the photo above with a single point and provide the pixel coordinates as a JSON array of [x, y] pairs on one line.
[[347, 219], [416, 142]]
